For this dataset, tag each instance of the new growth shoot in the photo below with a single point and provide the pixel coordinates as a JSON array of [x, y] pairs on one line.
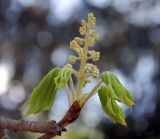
[[109, 88], [81, 46]]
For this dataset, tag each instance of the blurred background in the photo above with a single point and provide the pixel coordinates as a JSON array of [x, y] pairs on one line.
[[35, 37]]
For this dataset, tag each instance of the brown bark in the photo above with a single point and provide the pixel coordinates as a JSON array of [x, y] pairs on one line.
[[50, 128], [2, 135], [71, 115], [20, 125]]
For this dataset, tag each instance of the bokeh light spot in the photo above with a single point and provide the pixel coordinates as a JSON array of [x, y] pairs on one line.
[[59, 56]]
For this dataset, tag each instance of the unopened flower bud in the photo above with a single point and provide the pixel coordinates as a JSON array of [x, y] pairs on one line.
[[72, 59], [94, 34], [79, 40], [95, 72], [79, 51], [95, 56], [97, 36], [91, 20], [91, 41], [92, 70], [82, 30], [68, 66], [83, 23], [73, 44]]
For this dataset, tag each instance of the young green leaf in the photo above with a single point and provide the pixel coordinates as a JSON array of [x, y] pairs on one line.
[[63, 77], [118, 87], [120, 93], [105, 77], [43, 94], [110, 106]]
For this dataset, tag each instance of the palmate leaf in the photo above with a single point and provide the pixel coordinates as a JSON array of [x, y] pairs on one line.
[[43, 94], [119, 92], [110, 106]]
